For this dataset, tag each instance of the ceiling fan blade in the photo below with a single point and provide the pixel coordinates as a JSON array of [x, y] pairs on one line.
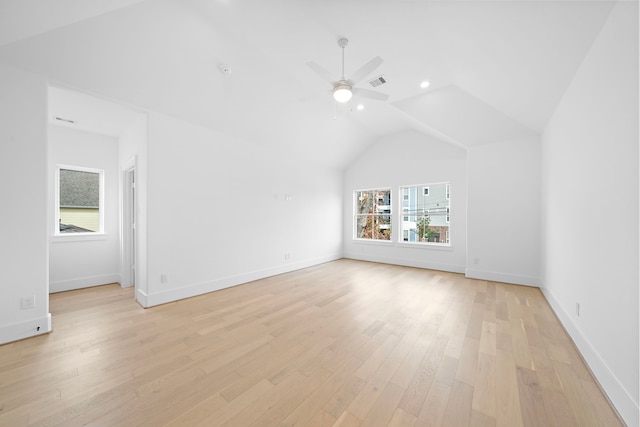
[[321, 71], [366, 93], [366, 69]]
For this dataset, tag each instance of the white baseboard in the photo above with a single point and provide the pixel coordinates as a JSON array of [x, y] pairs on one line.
[[617, 394], [152, 299], [407, 262], [141, 298], [502, 277], [25, 329], [82, 282]]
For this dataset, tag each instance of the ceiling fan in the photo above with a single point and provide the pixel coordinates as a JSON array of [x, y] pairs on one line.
[[343, 89]]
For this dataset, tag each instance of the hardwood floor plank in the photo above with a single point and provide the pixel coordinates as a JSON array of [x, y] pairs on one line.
[[237, 405], [292, 399], [585, 413], [341, 399], [184, 400], [416, 392], [401, 418], [322, 419], [458, 411], [264, 402], [342, 343], [384, 408], [468, 361], [488, 338], [508, 411], [531, 401], [484, 391], [605, 413], [478, 419], [347, 420], [326, 392]]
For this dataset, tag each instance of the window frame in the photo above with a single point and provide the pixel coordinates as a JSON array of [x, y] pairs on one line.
[[444, 243], [356, 214], [101, 203]]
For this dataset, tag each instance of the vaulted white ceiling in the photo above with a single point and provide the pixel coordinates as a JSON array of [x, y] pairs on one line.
[[497, 68]]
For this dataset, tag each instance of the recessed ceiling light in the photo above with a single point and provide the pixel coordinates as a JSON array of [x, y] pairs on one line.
[[424, 84], [360, 107]]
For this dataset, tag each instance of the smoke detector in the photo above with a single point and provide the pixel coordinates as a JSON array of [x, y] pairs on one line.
[[225, 69]]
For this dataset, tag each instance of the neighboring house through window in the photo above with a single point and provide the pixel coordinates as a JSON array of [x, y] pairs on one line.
[[79, 197], [426, 213]]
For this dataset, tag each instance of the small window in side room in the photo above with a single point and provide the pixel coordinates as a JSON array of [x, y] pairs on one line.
[[372, 219], [79, 200], [428, 209]]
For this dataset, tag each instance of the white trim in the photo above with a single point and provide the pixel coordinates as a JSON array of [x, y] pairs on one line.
[[195, 289], [77, 237], [496, 276], [610, 385], [142, 298], [372, 241], [354, 218], [127, 219], [426, 245], [56, 210], [83, 282], [400, 218], [26, 329]]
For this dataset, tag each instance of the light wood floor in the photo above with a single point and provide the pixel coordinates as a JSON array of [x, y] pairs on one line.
[[346, 343]]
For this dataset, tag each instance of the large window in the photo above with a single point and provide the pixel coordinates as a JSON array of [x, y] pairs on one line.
[[79, 200], [373, 214], [426, 213]]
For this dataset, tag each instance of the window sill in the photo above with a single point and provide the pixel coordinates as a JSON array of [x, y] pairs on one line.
[[372, 242], [77, 237], [434, 246]]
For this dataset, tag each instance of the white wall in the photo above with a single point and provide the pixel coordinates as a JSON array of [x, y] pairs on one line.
[[590, 216], [82, 261], [409, 158], [23, 191], [223, 211], [503, 239]]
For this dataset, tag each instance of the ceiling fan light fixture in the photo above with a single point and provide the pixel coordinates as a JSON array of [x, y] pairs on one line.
[[342, 93]]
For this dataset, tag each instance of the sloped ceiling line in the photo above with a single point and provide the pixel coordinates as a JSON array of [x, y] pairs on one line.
[[497, 69]]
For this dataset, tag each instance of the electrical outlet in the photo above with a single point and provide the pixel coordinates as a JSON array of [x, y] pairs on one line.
[[28, 302], [164, 278], [287, 255]]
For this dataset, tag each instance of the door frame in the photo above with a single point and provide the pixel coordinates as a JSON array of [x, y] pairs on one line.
[[129, 240]]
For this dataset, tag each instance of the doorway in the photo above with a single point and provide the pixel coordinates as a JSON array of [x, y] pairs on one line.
[[129, 239]]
